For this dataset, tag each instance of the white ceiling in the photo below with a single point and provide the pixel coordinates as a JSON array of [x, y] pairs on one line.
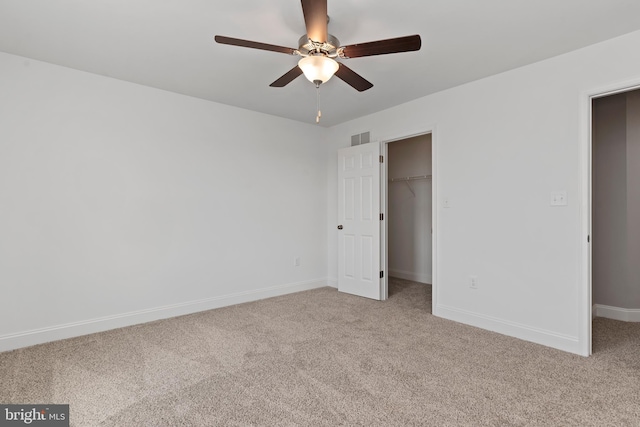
[[168, 44]]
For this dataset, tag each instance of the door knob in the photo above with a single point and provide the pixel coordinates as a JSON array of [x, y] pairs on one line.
[[340, 227]]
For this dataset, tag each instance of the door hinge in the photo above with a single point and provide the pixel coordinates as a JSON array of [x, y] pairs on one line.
[[381, 274], [588, 238], [381, 217], [381, 159]]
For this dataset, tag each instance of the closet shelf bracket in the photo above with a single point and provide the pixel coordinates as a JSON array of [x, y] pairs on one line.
[[410, 178]]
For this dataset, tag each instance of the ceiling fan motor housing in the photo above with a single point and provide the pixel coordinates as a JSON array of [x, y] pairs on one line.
[[311, 47]]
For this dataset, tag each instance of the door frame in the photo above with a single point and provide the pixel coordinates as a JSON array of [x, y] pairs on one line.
[[585, 311], [384, 205]]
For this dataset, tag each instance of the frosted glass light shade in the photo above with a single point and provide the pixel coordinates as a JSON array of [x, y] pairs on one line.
[[318, 68]]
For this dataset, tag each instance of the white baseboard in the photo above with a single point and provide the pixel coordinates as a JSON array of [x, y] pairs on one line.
[[333, 282], [410, 275], [539, 336], [90, 326], [616, 313]]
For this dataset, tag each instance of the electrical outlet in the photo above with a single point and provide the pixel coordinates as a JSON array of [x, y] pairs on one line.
[[473, 282], [558, 198], [296, 261]]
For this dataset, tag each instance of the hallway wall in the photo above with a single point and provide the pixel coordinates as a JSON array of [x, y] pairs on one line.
[[616, 201]]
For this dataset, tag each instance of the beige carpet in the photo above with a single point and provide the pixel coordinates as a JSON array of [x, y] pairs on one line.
[[323, 358]]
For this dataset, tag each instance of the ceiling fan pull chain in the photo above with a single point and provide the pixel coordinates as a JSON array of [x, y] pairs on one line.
[[318, 102]]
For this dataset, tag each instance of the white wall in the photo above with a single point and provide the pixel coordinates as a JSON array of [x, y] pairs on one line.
[[503, 144], [409, 211], [121, 203]]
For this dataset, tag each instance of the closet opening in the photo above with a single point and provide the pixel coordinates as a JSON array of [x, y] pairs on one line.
[[408, 246]]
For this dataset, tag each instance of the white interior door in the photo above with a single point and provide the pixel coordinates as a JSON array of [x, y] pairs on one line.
[[359, 220]]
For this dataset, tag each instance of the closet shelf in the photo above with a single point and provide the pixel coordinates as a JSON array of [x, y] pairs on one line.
[[410, 178]]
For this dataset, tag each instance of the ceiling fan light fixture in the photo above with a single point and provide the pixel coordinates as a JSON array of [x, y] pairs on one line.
[[318, 68]]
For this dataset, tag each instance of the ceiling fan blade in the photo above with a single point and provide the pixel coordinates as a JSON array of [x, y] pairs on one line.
[[352, 78], [382, 47], [254, 45], [287, 78], [315, 18]]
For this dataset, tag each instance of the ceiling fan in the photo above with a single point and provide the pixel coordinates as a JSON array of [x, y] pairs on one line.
[[318, 49]]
